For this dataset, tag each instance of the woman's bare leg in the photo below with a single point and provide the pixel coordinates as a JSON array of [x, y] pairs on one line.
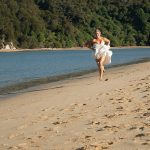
[[101, 66], [98, 65]]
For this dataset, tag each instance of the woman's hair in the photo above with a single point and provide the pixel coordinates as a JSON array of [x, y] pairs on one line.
[[97, 30]]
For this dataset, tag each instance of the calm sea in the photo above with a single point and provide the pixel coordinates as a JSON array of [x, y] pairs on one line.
[[20, 70]]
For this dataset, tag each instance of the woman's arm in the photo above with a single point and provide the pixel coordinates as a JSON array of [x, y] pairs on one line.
[[107, 41]]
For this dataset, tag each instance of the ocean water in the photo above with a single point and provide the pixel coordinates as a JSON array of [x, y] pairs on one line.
[[30, 68]]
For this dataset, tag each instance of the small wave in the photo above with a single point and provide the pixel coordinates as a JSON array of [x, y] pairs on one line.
[[11, 89]]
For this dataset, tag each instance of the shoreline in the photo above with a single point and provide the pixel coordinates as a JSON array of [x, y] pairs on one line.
[[83, 113], [44, 49], [60, 49]]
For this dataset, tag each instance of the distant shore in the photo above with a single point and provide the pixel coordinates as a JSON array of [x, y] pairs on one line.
[[40, 49], [72, 48]]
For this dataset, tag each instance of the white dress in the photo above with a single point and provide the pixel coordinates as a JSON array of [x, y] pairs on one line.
[[102, 50]]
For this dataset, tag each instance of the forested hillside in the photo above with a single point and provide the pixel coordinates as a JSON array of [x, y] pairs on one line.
[[67, 23]]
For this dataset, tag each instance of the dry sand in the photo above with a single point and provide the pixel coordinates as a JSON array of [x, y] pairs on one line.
[[82, 113]]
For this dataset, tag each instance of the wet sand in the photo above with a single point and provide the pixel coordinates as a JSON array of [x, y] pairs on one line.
[[81, 113]]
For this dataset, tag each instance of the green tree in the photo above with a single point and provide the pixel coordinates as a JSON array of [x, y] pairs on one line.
[[66, 23]]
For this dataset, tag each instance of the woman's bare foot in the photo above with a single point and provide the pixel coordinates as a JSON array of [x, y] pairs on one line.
[[100, 78]]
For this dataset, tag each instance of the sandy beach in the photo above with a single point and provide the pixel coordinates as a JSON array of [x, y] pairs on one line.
[[82, 113]]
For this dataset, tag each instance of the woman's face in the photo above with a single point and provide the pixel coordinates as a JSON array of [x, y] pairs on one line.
[[98, 33]]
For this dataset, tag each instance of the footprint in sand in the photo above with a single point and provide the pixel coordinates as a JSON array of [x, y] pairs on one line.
[[120, 108], [147, 114], [99, 106], [81, 148], [59, 122], [136, 110], [12, 147], [19, 146], [45, 109], [109, 115], [140, 135], [100, 129], [145, 143], [106, 79], [129, 100], [110, 128], [136, 89], [120, 99], [132, 128]]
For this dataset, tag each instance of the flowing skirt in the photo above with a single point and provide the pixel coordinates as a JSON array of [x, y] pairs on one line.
[[102, 50]]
